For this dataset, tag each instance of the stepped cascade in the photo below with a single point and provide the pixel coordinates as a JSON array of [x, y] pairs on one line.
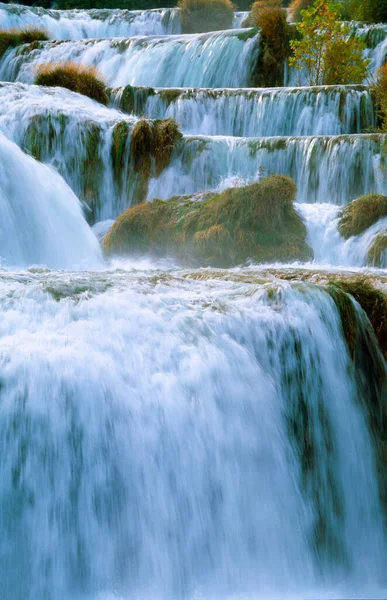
[[169, 431]]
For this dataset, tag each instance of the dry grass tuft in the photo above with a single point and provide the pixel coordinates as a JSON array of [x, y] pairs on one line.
[[10, 38], [79, 78], [360, 214]]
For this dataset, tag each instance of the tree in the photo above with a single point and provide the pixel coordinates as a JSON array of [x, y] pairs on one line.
[[327, 53]]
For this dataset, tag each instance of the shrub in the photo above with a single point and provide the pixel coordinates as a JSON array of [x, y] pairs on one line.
[[374, 11], [296, 7], [257, 8], [257, 221], [274, 44], [75, 77], [198, 16], [379, 89], [326, 52], [10, 38], [360, 214], [378, 251]]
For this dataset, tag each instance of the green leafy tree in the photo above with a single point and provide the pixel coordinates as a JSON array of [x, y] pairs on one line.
[[327, 53]]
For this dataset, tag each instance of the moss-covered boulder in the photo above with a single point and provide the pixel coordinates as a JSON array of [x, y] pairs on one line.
[[377, 252], [255, 222], [360, 214]]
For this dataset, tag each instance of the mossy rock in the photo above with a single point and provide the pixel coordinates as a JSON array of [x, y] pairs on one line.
[[374, 303], [255, 222], [360, 214], [378, 251]]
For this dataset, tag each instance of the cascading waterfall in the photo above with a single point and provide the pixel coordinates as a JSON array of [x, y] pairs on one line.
[[205, 60], [330, 110], [93, 23], [315, 163], [173, 469], [97, 23], [75, 135], [40, 218], [169, 434]]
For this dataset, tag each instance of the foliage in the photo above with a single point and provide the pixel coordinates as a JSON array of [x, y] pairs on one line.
[[10, 38], [326, 53], [296, 7], [274, 43], [257, 221], [75, 77], [379, 89], [198, 16], [372, 11], [360, 214]]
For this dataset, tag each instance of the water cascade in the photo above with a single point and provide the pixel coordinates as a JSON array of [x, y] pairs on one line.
[[41, 218], [178, 434], [199, 60], [251, 112]]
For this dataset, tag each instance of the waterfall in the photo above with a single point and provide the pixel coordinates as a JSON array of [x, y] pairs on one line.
[[330, 110], [93, 23], [217, 59], [315, 164], [164, 460], [40, 218]]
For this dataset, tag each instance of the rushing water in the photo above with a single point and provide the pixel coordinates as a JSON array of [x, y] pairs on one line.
[[217, 59], [169, 434], [330, 110]]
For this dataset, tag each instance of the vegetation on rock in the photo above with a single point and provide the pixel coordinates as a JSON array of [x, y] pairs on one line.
[[377, 252], [255, 222], [274, 43], [198, 16], [79, 78], [379, 89], [326, 52], [360, 214], [296, 7], [10, 38]]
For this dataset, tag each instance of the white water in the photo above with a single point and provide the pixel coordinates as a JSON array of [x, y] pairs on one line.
[[205, 60], [326, 169], [97, 23], [40, 218], [259, 112], [159, 460], [93, 23]]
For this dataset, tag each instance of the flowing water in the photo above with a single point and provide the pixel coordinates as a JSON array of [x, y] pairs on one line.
[[175, 434]]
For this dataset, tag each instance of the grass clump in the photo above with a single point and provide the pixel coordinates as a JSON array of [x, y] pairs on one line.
[[255, 222], [377, 252], [10, 38], [153, 140], [274, 42], [198, 16], [360, 214], [83, 79]]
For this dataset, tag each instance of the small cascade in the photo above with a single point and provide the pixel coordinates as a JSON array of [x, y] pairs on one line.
[[217, 59], [329, 247], [75, 135], [218, 445], [92, 23], [331, 110], [41, 221], [315, 164]]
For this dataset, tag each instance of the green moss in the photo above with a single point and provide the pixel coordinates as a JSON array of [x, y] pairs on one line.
[[378, 250], [360, 214], [257, 222], [348, 316], [92, 167], [169, 95], [374, 303], [247, 35], [15, 37], [120, 138]]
